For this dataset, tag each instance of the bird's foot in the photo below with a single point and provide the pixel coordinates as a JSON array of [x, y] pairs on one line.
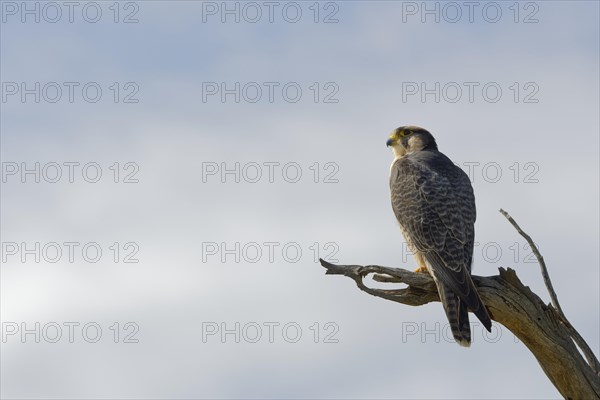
[[421, 269]]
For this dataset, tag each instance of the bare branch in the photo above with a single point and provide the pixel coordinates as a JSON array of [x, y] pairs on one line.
[[581, 343], [511, 304], [540, 259]]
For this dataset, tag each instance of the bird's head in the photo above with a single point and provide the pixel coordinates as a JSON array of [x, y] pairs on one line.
[[408, 139]]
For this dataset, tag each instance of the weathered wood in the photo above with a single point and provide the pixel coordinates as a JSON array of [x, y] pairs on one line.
[[581, 343], [510, 303]]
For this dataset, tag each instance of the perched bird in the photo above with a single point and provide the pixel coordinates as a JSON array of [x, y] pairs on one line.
[[434, 204]]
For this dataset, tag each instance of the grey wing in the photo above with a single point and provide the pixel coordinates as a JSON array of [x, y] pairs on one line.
[[433, 201]]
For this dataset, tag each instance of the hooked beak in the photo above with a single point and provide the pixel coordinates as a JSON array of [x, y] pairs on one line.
[[390, 142]]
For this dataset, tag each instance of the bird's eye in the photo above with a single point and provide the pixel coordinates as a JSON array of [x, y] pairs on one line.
[[406, 132]]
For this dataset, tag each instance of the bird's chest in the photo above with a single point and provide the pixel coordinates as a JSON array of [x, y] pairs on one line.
[[404, 231], [392, 170]]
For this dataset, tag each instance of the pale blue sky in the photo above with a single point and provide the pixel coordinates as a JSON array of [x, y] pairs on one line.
[[171, 132]]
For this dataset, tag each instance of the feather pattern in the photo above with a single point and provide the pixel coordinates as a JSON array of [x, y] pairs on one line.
[[434, 203]]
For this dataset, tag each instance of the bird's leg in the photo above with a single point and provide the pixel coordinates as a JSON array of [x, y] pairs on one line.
[[420, 262]]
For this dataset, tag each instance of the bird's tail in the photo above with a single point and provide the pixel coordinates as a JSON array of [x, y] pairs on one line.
[[481, 312], [458, 315], [478, 308]]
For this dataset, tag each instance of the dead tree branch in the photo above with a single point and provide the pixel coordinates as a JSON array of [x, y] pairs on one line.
[[540, 259], [542, 328], [581, 343]]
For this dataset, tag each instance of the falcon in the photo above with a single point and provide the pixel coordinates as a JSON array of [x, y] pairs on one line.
[[434, 204]]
